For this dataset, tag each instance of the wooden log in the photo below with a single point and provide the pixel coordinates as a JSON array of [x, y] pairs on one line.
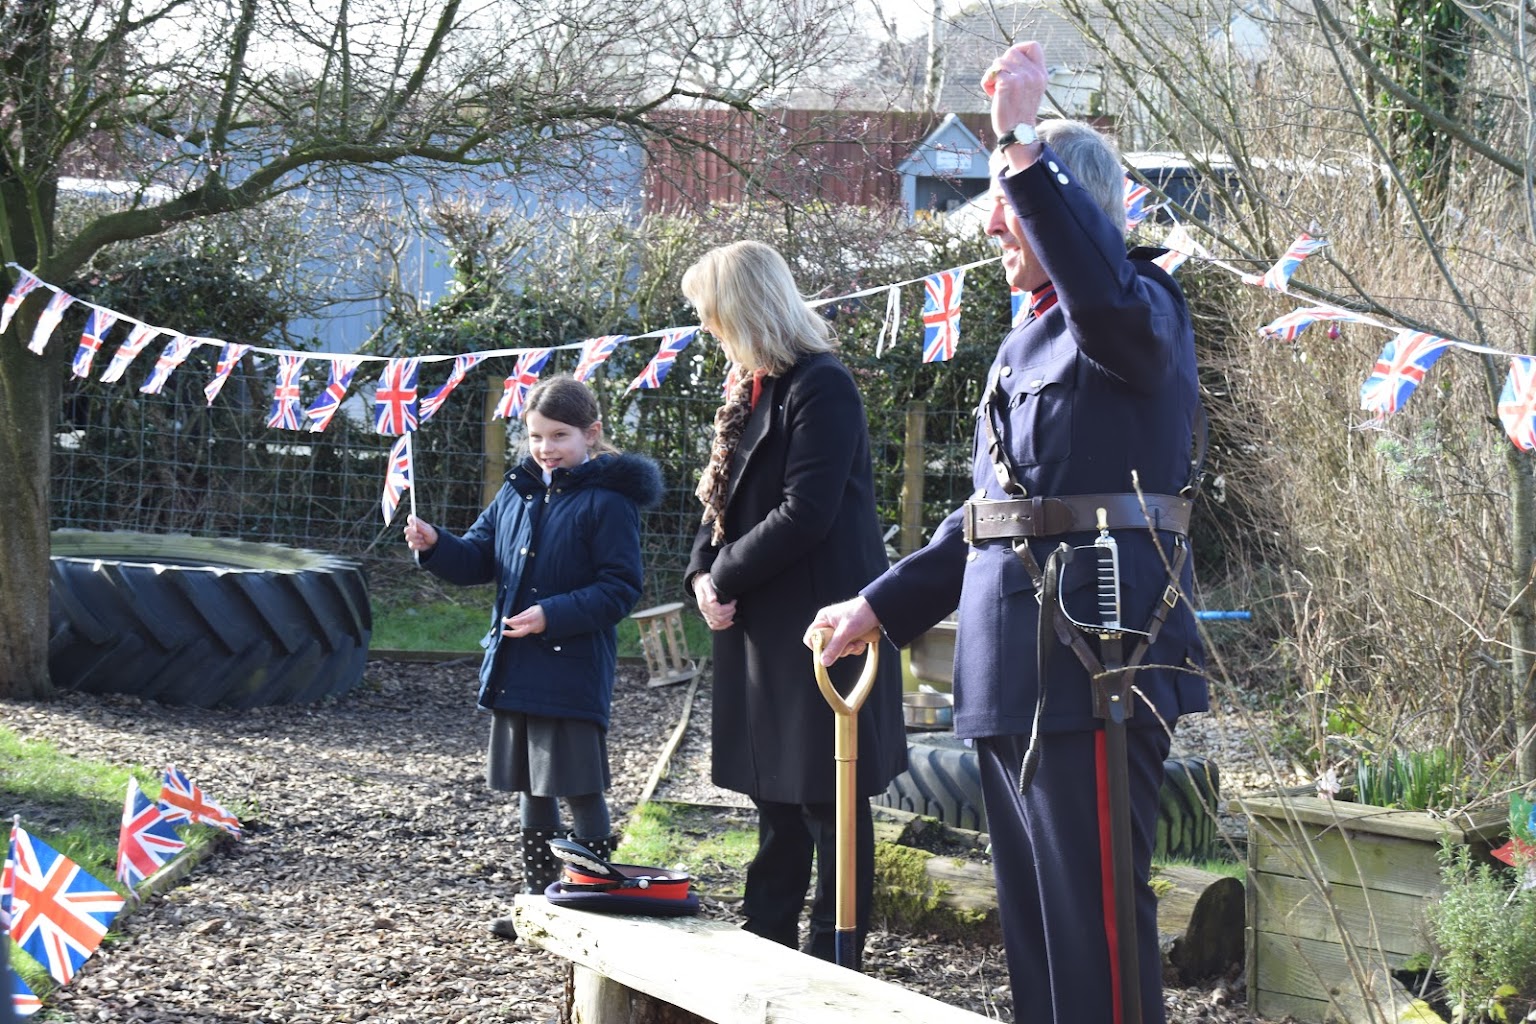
[[1200, 921], [717, 971]]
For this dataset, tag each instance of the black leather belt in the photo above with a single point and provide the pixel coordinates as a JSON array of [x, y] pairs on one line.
[[992, 519]]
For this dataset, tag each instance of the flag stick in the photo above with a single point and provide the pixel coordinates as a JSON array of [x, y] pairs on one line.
[[410, 458]]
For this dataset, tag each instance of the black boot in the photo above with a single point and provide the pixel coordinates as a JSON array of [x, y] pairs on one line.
[[540, 868]]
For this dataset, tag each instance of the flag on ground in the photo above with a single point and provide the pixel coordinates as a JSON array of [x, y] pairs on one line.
[[146, 840], [672, 342], [96, 327], [24, 1001], [184, 802], [941, 314], [525, 374], [399, 476], [59, 910]]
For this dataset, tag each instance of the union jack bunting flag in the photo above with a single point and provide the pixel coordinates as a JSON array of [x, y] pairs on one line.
[[398, 477], [24, 285], [184, 802], [138, 340], [324, 407], [941, 314], [24, 1001], [1399, 370], [96, 326], [48, 319], [1517, 403], [525, 374], [437, 399], [228, 360], [1136, 208], [286, 405], [394, 400], [1180, 247], [672, 343], [174, 355], [1016, 307], [1278, 276], [59, 911], [1290, 326], [595, 353], [146, 840]]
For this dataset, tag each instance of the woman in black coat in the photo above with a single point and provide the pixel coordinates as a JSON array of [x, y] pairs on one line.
[[789, 525]]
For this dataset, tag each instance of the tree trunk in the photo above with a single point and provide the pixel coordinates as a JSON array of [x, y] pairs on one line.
[[29, 398]]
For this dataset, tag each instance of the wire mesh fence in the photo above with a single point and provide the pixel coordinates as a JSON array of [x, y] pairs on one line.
[[172, 463]]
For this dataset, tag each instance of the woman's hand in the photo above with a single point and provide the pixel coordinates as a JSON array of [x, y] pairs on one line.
[[525, 622], [420, 536], [718, 615]]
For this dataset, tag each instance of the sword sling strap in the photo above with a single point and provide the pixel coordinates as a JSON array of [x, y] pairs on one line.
[[1111, 675]]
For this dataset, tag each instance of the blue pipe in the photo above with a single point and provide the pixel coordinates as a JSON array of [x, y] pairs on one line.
[[1243, 616]]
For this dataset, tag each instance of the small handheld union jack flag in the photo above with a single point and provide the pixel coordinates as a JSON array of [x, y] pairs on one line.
[[284, 413], [24, 285], [146, 839], [595, 353], [394, 400], [96, 326], [1278, 276], [24, 1001], [49, 319], [397, 479], [138, 340], [325, 405], [1290, 326], [525, 374], [941, 314], [174, 355], [1399, 370], [1136, 208], [1517, 403], [437, 399], [184, 802], [672, 343], [59, 911], [228, 360]]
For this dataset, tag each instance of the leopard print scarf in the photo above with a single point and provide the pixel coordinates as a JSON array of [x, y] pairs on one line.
[[730, 420]]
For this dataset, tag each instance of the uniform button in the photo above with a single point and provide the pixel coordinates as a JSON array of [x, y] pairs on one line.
[[1052, 165], [1006, 371], [557, 647], [522, 551], [1062, 178], [1037, 383], [970, 556], [533, 590]]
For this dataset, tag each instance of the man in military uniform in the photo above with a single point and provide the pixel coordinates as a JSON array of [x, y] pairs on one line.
[[1086, 422]]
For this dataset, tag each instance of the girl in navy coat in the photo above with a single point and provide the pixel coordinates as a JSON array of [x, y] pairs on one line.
[[561, 541]]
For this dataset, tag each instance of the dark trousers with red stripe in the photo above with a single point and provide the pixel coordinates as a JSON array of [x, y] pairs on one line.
[[1054, 887]]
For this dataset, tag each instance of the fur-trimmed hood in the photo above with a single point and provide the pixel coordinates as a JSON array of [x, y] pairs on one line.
[[636, 477]]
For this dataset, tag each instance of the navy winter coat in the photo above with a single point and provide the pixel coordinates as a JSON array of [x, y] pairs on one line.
[[572, 547]]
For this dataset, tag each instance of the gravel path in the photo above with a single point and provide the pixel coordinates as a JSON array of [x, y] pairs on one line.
[[375, 855]]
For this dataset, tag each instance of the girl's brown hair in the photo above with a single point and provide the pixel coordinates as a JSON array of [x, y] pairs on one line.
[[567, 400]]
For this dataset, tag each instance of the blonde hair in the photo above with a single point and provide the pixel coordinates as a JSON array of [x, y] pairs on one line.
[[745, 294]]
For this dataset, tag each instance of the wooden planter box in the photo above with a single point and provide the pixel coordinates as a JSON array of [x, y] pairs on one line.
[[1336, 893]]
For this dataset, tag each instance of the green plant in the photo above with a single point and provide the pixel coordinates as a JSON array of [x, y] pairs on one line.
[[1417, 780], [1485, 928]]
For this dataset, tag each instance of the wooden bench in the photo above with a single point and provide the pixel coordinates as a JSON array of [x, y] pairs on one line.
[[686, 969]]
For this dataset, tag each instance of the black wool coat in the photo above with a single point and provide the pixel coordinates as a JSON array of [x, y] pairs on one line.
[[800, 533]]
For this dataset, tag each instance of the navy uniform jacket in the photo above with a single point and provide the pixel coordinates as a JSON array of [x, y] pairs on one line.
[[1102, 384], [574, 548]]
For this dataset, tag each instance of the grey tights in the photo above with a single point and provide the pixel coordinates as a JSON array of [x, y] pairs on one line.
[[589, 814]]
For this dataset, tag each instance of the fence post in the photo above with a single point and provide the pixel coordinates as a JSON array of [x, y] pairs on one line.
[[913, 470], [494, 440]]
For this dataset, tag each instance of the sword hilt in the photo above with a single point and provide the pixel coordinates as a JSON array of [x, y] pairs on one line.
[[1108, 552]]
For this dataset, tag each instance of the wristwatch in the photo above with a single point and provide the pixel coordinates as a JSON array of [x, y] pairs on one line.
[[1021, 134]]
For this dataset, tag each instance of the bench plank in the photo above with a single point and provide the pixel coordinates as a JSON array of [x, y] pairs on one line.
[[719, 972]]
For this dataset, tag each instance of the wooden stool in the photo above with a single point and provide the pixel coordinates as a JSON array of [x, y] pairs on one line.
[[665, 646]]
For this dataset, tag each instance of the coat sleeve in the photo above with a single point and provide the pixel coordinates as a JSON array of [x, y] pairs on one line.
[[922, 588], [823, 423], [470, 559], [614, 540], [1125, 320]]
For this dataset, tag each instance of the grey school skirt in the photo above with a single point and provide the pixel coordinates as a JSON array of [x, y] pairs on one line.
[[546, 756]]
